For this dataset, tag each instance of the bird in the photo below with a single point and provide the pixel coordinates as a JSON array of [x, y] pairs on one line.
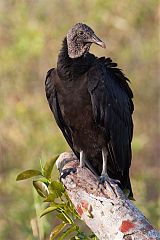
[[92, 103]]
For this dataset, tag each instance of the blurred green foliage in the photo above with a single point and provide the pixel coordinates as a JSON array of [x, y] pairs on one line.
[[30, 38], [53, 193]]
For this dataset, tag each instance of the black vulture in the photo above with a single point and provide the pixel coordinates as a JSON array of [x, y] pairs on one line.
[[92, 104]]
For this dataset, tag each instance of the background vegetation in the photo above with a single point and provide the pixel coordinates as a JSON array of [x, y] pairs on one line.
[[31, 32]]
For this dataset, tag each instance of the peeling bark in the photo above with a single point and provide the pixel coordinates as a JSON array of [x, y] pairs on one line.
[[109, 214]]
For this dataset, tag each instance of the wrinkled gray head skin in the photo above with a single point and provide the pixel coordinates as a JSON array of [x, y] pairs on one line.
[[79, 39]]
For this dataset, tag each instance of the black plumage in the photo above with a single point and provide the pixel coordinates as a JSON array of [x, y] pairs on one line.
[[92, 105]]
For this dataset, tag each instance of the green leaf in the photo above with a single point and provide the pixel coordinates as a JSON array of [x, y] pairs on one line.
[[81, 236], [57, 188], [28, 174], [68, 218], [93, 236], [41, 188], [62, 217], [47, 169], [67, 232], [48, 210], [56, 231], [44, 180], [51, 197]]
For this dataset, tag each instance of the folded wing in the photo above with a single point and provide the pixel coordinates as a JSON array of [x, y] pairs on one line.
[[112, 109], [52, 98]]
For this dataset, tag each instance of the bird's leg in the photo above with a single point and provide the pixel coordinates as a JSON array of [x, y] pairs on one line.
[[84, 162], [104, 178], [104, 158], [82, 159], [104, 175]]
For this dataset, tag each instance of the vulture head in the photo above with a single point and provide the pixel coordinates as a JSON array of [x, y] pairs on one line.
[[79, 39]]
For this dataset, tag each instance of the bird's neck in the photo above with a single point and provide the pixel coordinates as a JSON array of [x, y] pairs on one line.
[[64, 62], [68, 68], [63, 55]]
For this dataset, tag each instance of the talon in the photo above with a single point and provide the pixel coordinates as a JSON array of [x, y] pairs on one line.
[[66, 172], [102, 179], [105, 179]]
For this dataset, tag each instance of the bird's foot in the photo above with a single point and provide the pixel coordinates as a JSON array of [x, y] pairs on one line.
[[66, 172], [104, 178], [111, 184]]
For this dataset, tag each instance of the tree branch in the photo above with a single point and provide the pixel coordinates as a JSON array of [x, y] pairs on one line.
[[109, 214]]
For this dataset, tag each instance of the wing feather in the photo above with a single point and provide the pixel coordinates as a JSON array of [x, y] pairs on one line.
[[52, 98], [112, 107]]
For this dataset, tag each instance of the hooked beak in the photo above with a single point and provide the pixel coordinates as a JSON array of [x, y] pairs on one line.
[[96, 40]]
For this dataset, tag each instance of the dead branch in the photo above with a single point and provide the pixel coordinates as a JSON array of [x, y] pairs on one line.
[[110, 215]]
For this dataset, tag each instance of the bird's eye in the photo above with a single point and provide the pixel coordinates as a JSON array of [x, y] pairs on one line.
[[81, 33]]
